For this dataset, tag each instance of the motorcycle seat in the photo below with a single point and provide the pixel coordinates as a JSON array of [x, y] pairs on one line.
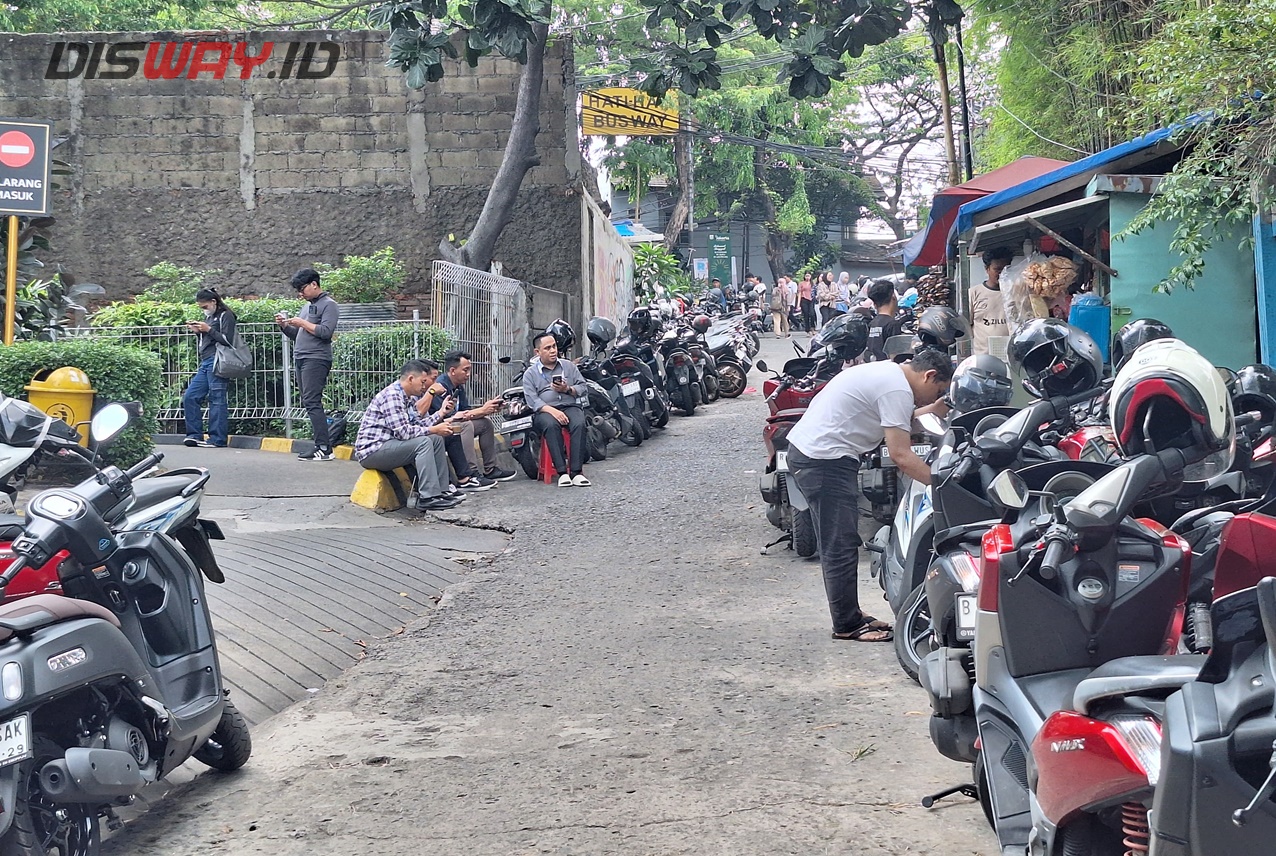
[[1130, 675], [155, 489], [41, 610], [10, 526]]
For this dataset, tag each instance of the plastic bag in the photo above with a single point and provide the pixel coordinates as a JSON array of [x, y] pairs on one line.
[[1015, 293]]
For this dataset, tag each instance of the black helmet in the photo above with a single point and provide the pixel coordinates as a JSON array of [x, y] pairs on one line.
[[600, 331], [1054, 358], [980, 381], [941, 327], [1134, 334], [846, 336], [640, 322], [1256, 390], [701, 324], [563, 335]]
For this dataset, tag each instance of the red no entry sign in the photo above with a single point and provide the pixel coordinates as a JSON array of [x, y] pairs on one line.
[[16, 149]]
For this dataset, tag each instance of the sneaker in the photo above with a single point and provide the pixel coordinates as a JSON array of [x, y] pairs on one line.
[[192, 442], [437, 503], [204, 444], [318, 455], [499, 474], [579, 480], [564, 480], [476, 483]]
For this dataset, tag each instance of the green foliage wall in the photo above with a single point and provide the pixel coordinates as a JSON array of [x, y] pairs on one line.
[[117, 373]]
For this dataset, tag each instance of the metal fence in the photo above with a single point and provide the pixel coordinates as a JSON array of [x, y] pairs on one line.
[[486, 315], [367, 355]]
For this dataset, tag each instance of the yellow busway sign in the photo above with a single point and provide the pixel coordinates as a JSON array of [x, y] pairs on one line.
[[618, 111]]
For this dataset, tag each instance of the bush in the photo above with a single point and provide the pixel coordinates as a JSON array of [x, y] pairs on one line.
[[155, 313], [364, 279], [174, 284], [118, 373], [382, 350]]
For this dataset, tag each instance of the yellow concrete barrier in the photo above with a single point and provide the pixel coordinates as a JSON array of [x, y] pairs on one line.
[[374, 490]]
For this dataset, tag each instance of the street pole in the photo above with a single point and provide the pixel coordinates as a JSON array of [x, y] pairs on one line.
[[11, 280], [966, 143], [946, 106]]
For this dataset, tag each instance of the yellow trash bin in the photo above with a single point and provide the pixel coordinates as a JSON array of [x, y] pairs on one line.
[[64, 394]]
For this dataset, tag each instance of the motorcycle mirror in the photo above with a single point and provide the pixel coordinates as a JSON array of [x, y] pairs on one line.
[[761, 364], [503, 360], [932, 424], [108, 422], [1009, 490]]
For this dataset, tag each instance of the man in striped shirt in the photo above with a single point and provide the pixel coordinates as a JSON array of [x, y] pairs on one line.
[[394, 434]]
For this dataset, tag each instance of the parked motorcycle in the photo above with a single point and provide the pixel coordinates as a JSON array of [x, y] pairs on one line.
[[109, 689]]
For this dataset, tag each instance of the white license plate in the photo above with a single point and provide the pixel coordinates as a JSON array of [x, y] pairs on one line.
[[517, 425], [781, 462], [922, 450], [967, 607], [631, 388], [15, 740]]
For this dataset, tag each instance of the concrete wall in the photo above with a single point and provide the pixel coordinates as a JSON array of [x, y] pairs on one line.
[[278, 165]]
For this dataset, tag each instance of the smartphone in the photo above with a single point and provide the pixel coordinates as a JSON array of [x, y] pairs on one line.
[[558, 378]]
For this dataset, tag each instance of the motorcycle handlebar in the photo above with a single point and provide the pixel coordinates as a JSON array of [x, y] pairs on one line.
[[964, 466], [18, 564], [143, 465], [1056, 552]]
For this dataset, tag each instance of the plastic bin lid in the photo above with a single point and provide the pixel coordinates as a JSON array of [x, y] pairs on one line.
[[67, 378]]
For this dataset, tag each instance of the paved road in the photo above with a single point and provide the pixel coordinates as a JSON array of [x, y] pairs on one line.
[[631, 676]]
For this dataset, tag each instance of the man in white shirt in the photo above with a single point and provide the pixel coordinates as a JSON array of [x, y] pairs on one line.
[[987, 310], [859, 408]]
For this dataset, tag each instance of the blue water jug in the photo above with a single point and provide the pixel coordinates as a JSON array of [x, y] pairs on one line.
[[1092, 315]]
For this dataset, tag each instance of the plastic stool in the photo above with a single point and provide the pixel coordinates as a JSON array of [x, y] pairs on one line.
[[547, 460]]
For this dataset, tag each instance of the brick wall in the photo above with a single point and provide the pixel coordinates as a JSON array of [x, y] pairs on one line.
[[314, 152]]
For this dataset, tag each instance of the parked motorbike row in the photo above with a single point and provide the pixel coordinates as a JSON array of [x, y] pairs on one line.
[[637, 380], [109, 676], [1081, 592]]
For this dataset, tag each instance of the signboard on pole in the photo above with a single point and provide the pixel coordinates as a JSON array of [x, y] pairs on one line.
[[619, 111], [720, 258], [24, 168], [700, 269]]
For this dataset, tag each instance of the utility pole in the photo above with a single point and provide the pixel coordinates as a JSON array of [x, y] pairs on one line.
[[967, 144], [946, 105]]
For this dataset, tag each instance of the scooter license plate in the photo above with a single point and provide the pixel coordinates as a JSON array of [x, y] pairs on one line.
[[966, 609], [630, 388], [781, 462], [921, 450], [516, 425], [15, 740]]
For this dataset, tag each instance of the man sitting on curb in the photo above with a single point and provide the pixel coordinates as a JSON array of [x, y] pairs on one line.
[[471, 422], [393, 434], [551, 387]]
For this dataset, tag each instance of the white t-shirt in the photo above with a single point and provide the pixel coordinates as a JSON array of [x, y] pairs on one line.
[[851, 414], [988, 319]]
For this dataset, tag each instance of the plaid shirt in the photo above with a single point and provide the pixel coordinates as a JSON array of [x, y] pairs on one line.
[[391, 415]]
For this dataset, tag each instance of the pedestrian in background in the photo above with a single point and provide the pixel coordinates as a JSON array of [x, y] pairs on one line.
[[806, 304], [826, 297], [781, 301], [312, 352], [217, 328]]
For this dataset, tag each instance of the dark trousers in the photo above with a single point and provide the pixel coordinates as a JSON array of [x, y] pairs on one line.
[[552, 433], [206, 386], [312, 377], [832, 489], [455, 446], [808, 314]]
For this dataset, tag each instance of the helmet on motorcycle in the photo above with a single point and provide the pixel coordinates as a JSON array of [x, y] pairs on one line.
[[1054, 358], [1256, 390], [846, 335], [1136, 333], [1170, 397], [563, 335], [640, 322], [941, 327], [980, 381], [701, 324], [600, 331]]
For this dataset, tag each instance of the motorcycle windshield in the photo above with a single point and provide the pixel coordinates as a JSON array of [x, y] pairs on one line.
[[21, 423]]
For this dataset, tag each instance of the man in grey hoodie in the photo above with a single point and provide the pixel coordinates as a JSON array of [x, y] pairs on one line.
[[312, 332]]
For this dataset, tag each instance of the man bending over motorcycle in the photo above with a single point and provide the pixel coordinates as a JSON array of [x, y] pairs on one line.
[[859, 408]]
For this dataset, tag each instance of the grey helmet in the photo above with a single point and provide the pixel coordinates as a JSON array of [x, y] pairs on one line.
[[980, 381]]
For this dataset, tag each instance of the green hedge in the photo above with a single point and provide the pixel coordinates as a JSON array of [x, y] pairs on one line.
[[149, 313], [117, 373]]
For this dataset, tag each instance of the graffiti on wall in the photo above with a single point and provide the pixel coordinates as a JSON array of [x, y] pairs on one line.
[[613, 268]]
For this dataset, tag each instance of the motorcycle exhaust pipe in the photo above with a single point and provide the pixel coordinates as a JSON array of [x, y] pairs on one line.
[[91, 775], [605, 426]]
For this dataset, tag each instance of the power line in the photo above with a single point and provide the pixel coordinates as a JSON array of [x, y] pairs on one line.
[[1038, 134]]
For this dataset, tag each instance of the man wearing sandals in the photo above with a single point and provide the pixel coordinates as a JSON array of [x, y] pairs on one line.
[[851, 416]]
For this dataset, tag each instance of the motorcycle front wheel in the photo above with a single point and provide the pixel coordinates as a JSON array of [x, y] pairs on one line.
[[231, 744], [42, 827]]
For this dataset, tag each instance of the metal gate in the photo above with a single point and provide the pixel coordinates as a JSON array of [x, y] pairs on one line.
[[486, 314]]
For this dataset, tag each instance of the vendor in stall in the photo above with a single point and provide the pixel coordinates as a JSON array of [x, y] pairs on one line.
[[987, 313]]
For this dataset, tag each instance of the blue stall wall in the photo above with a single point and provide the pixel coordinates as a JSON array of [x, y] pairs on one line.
[[1265, 265], [1218, 316]]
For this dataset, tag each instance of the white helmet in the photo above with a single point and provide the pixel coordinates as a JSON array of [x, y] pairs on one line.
[[1167, 396]]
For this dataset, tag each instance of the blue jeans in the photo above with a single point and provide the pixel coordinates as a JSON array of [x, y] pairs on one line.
[[206, 386]]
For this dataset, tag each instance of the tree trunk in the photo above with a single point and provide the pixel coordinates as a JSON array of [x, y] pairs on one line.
[[681, 208], [520, 156], [776, 242]]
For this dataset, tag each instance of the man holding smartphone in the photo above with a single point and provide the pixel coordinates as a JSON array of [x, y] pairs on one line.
[[312, 352], [551, 387], [472, 423]]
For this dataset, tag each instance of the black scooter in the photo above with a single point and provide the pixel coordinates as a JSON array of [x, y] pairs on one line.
[[108, 689]]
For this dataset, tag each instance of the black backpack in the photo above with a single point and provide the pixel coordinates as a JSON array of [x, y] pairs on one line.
[[337, 426]]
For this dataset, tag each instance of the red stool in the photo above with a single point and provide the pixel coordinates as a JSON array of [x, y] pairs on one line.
[[547, 460]]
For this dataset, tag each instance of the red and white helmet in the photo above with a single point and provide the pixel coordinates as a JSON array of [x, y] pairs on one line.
[[1168, 396]]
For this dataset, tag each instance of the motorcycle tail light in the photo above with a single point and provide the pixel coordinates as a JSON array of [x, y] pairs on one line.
[[1142, 736], [11, 681], [967, 571], [997, 540]]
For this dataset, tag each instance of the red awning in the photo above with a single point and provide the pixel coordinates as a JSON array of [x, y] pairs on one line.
[[930, 245]]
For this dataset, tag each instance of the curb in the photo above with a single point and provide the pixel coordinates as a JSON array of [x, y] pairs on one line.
[[343, 452]]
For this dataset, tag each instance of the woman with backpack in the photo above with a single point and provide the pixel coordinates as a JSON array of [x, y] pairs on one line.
[[217, 328]]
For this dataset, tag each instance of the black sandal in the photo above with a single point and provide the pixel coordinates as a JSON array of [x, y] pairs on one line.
[[872, 630]]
